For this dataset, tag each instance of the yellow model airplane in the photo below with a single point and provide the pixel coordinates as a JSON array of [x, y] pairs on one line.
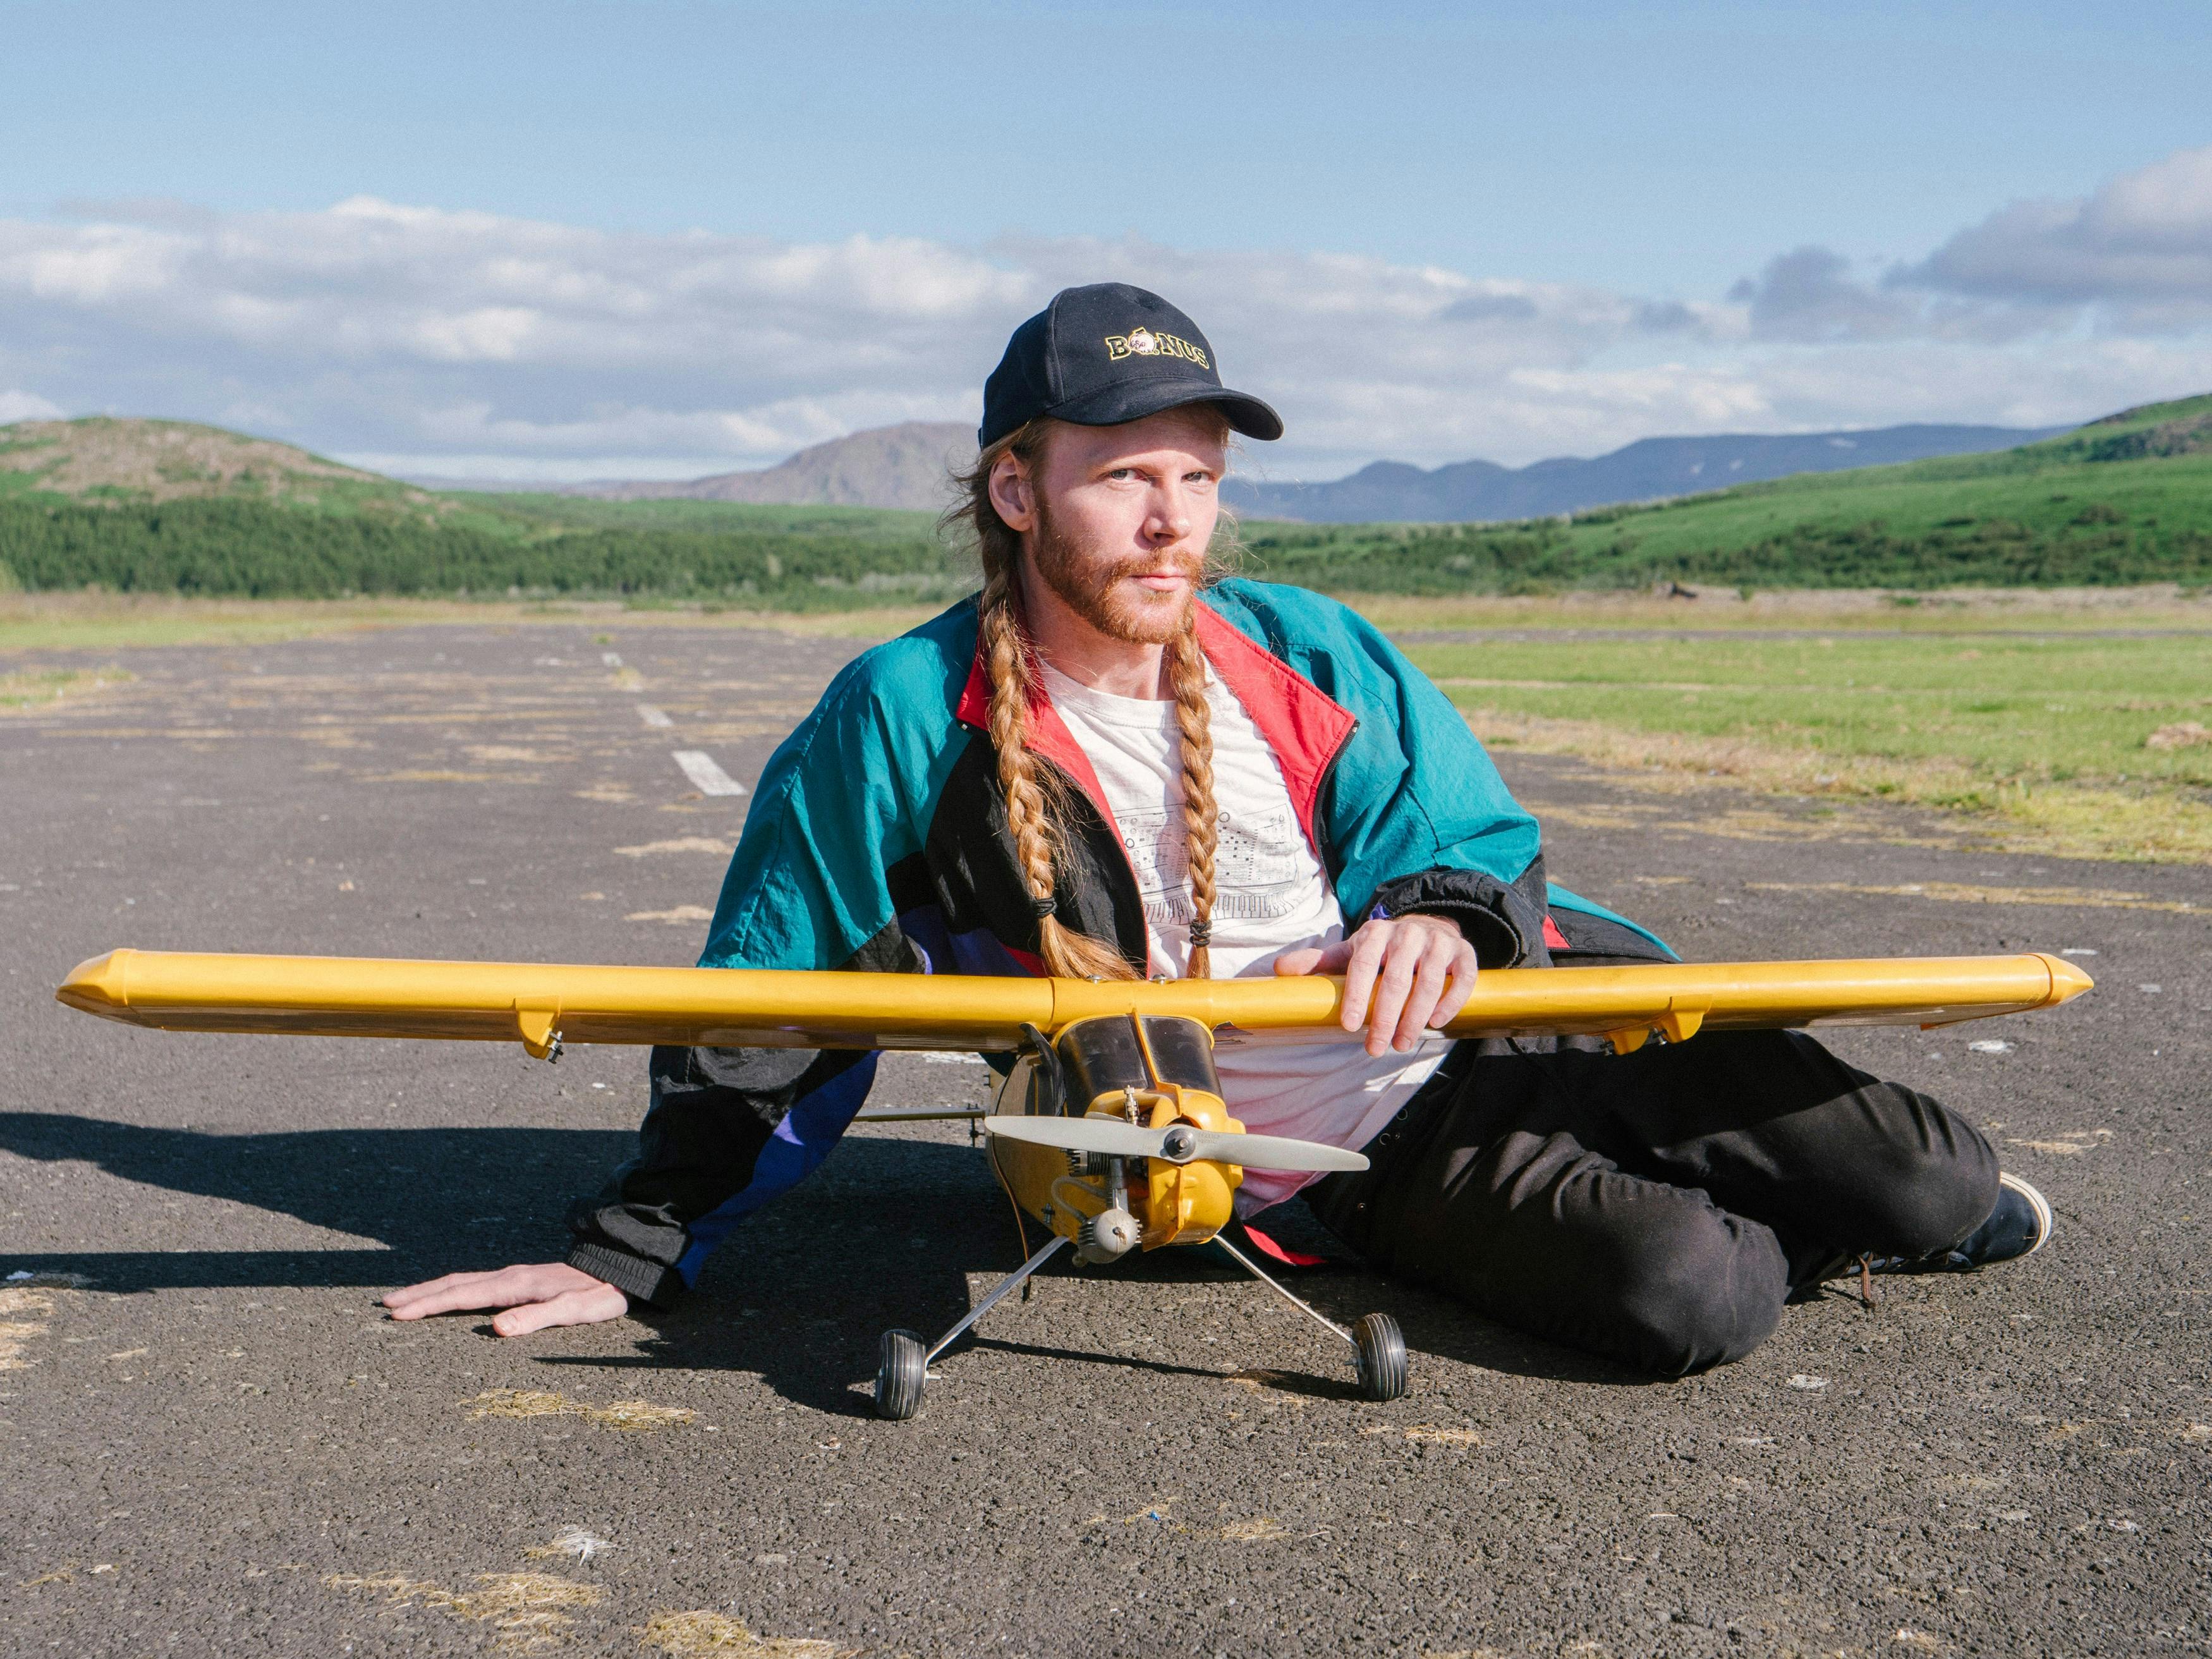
[[1110, 1128]]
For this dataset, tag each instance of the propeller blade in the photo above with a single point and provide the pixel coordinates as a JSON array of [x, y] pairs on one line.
[[1180, 1144], [1276, 1152], [1079, 1134]]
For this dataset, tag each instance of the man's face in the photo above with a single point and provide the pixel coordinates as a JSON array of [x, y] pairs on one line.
[[1123, 516]]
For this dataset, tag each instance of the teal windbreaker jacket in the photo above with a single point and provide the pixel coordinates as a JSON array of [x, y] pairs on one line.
[[877, 840]]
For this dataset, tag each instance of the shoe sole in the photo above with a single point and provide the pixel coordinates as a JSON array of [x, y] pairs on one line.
[[2037, 1202]]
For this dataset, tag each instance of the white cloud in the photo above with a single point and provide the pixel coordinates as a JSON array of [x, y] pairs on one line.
[[467, 342], [2133, 257], [27, 406], [1809, 294], [2041, 382], [2139, 246]]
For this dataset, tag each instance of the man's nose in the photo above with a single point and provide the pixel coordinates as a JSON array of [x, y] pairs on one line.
[[1170, 517]]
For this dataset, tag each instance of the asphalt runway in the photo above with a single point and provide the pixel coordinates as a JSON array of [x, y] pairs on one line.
[[212, 1441]]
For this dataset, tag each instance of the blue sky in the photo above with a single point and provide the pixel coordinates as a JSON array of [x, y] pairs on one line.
[[1299, 167]]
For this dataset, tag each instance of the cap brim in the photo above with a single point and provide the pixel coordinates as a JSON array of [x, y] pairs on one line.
[[1117, 405]]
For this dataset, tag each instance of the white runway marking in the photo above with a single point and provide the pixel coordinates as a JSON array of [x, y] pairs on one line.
[[707, 777], [653, 716]]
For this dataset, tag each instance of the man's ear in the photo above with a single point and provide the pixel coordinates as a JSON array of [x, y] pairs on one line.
[[1013, 494]]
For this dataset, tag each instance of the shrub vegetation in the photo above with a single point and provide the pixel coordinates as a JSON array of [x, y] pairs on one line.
[[2122, 501]]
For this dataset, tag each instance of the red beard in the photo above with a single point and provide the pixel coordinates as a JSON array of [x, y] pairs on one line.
[[1101, 593]]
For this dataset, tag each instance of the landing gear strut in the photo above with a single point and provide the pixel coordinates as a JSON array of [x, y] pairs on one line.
[[1378, 1346], [904, 1367]]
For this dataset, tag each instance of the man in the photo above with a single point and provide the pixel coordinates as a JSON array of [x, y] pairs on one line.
[[1108, 763]]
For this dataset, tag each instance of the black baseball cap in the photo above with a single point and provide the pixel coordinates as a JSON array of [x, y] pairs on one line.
[[1108, 353]]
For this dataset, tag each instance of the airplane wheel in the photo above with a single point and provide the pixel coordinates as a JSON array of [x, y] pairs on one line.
[[1382, 1357], [903, 1370]]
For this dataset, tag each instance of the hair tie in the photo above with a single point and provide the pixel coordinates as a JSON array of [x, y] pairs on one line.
[[1201, 933], [1041, 908]]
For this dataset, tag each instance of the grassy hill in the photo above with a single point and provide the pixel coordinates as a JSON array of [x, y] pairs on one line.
[[170, 507], [167, 507], [117, 462], [902, 466], [2126, 499]]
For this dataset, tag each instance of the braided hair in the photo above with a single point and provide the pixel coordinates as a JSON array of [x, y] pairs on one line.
[[1036, 808]]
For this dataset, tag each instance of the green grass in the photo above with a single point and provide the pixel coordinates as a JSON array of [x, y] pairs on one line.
[[2120, 501], [2044, 710], [2037, 742], [77, 621], [36, 688], [254, 549], [2081, 746], [1979, 610], [865, 524], [282, 526]]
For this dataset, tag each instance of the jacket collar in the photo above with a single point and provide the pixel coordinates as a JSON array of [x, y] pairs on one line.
[[1047, 733], [1302, 724]]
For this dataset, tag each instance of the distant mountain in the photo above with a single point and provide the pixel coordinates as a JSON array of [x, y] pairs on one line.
[[169, 506], [1648, 470], [906, 465], [2123, 499], [105, 459]]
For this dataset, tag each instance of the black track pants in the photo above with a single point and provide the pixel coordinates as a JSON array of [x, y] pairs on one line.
[[1658, 1208]]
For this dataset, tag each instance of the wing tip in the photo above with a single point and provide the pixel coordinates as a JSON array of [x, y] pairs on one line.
[[2067, 981], [99, 985]]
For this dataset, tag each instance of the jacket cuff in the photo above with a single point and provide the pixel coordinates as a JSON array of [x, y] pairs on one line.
[[634, 1276], [1495, 944], [1506, 930]]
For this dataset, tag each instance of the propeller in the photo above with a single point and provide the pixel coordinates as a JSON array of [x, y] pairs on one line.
[[1179, 1143]]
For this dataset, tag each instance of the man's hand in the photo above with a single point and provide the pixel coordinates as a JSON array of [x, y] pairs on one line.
[[1401, 973], [536, 1295]]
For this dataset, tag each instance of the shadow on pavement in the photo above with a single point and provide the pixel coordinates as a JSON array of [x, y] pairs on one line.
[[882, 1235], [885, 1234], [431, 1196]]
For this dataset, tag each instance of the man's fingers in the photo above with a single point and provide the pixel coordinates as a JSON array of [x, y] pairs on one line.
[[1394, 985], [1364, 958], [583, 1307], [1316, 958], [1463, 972], [538, 1281], [1430, 981], [446, 1301], [407, 1293], [534, 1295], [1400, 977], [438, 1290], [466, 1298]]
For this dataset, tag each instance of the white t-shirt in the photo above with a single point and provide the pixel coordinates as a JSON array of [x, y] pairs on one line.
[[1271, 895]]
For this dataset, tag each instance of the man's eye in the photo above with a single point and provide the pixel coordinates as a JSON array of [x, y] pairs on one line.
[[1123, 472]]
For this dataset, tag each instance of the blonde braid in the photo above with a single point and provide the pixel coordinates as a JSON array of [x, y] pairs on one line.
[[1030, 793], [1194, 720]]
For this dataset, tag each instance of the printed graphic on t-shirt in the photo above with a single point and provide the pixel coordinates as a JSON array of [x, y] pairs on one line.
[[1255, 863]]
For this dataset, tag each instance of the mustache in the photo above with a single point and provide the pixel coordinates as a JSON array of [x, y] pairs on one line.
[[1190, 566]]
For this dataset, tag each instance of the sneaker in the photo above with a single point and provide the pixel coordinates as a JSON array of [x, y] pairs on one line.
[[2019, 1226]]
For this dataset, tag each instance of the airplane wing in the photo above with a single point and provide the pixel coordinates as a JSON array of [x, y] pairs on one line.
[[534, 1003]]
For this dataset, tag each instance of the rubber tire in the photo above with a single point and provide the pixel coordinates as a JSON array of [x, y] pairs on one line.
[[900, 1377], [1383, 1369]]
